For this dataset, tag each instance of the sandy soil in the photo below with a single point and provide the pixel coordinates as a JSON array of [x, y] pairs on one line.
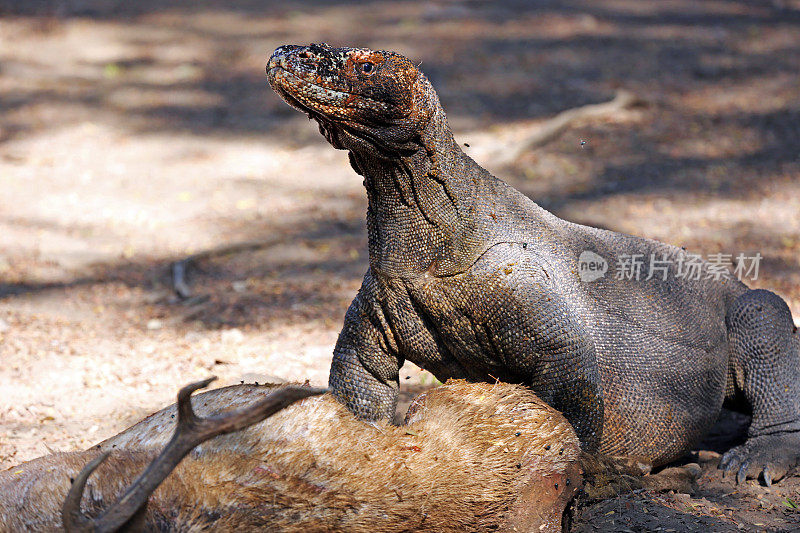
[[135, 133]]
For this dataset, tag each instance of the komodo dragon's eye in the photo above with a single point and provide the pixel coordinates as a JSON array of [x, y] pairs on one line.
[[367, 68]]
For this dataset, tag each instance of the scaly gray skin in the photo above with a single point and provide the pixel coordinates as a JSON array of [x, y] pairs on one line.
[[470, 279]]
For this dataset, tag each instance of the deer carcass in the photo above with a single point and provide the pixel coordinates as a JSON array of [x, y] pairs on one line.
[[474, 457]]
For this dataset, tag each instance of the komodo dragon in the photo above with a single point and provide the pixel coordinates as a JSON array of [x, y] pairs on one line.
[[468, 278]]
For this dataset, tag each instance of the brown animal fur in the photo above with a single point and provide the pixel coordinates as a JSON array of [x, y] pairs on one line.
[[473, 457]]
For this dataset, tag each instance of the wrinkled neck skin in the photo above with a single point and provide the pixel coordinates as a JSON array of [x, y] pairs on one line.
[[421, 204]]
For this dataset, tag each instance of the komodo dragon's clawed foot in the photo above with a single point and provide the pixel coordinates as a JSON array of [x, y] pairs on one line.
[[771, 456]]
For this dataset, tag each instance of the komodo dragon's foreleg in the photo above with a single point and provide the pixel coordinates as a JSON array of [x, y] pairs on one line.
[[364, 373], [765, 368]]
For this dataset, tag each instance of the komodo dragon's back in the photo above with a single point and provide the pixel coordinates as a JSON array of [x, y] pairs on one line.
[[468, 278]]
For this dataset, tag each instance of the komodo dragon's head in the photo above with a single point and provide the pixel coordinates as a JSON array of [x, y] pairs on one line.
[[363, 100]]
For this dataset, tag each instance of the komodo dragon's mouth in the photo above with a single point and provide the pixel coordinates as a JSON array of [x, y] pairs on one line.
[[326, 126], [287, 95], [313, 98]]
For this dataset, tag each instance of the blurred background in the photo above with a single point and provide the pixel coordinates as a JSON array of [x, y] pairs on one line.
[[134, 134]]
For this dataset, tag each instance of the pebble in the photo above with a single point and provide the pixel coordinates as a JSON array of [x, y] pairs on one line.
[[707, 456], [239, 286], [233, 335]]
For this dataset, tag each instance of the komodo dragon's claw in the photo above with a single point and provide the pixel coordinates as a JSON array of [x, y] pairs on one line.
[[768, 456]]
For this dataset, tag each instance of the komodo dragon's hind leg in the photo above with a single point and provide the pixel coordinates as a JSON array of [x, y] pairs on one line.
[[765, 362]]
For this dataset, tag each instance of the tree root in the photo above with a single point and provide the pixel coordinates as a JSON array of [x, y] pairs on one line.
[[541, 133]]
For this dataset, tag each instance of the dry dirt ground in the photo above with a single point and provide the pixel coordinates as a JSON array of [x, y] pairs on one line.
[[135, 133]]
